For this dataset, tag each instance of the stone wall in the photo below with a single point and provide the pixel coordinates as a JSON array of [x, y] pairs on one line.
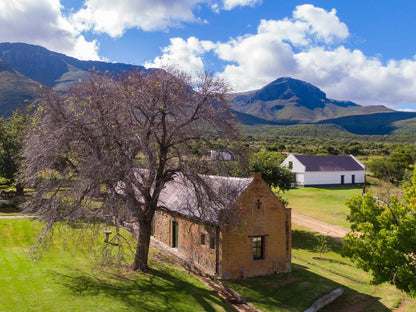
[[189, 239], [261, 214]]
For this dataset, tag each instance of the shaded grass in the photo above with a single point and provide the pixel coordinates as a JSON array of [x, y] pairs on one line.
[[325, 204], [69, 279], [312, 278]]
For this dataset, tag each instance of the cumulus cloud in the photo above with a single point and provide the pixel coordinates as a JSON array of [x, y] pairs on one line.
[[231, 4], [184, 54], [307, 46], [42, 22], [262, 57], [114, 17]]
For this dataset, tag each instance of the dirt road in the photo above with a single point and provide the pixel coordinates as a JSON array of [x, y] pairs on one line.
[[335, 231]]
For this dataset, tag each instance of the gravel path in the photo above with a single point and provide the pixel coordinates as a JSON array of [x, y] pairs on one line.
[[335, 231]]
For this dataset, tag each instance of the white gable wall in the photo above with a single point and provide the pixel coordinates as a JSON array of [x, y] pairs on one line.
[[309, 178], [330, 177], [297, 168]]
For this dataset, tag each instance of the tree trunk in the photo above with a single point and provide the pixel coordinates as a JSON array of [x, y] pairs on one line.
[[19, 189], [143, 244]]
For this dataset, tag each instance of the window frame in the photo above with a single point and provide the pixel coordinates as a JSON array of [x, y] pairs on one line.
[[261, 247], [203, 239]]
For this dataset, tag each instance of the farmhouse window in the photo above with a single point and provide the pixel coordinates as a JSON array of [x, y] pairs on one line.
[[212, 242], [290, 165], [203, 239], [175, 232], [258, 247]]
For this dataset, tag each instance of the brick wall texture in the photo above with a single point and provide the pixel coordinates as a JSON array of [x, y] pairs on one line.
[[229, 254]]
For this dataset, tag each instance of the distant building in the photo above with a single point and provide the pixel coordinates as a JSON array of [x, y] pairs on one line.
[[217, 155], [325, 170], [259, 245]]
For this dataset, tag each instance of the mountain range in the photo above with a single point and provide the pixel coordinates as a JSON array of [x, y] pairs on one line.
[[285, 101]]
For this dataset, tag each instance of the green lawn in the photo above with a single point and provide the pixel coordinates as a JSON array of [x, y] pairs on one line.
[[325, 204], [312, 278], [71, 280]]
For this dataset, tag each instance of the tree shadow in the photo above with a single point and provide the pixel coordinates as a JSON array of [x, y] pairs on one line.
[[297, 290], [307, 240], [158, 290]]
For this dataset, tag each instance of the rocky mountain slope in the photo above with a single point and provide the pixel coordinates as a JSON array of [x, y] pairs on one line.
[[23, 67], [16, 90], [51, 68], [290, 101]]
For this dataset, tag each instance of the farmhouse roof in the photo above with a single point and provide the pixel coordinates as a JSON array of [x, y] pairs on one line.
[[180, 196], [329, 163]]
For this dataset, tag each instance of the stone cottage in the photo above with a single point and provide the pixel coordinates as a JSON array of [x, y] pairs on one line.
[[251, 238]]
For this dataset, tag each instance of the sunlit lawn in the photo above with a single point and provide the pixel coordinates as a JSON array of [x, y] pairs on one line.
[[72, 280], [325, 204], [312, 278]]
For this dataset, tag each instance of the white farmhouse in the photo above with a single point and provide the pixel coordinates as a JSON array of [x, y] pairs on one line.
[[325, 170]]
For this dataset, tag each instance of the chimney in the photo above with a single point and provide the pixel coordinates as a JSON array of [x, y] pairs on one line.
[[256, 175]]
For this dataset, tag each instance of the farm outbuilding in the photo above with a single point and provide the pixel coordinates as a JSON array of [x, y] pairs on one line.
[[257, 242], [314, 170]]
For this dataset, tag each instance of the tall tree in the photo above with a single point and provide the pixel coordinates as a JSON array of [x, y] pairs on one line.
[[131, 136], [383, 237], [12, 131], [268, 163]]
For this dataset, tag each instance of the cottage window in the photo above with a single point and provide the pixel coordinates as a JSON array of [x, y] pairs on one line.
[[212, 242], [175, 232], [290, 165], [258, 247], [203, 239]]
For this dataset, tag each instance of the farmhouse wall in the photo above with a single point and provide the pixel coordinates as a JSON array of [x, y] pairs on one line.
[[296, 167], [262, 214], [331, 177], [189, 239], [230, 254]]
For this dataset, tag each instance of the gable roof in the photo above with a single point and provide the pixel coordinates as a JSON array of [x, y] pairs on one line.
[[181, 197], [329, 163]]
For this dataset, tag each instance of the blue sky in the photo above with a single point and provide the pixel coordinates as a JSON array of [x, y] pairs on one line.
[[363, 51]]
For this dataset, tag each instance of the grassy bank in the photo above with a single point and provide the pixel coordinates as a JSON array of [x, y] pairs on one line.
[[324, 204], [316, 274], [71, 279]]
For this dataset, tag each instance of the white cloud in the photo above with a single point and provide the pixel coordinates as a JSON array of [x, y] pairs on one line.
[[263, 57], [41, 22], [231, 4], [325, 25], [308, 47], [184, 54], [114, 17]]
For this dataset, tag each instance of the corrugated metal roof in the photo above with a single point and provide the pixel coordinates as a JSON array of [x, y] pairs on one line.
[[181, 196], [329, 163]]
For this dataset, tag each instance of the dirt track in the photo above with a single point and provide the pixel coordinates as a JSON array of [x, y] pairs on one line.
[[335, 231]]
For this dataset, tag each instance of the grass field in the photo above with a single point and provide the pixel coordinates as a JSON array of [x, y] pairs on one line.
[[312, 278], [325, 204], [71, 280]]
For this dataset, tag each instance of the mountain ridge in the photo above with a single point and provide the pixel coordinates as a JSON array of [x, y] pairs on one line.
[[48, 67], [289, 100], [284, 101]]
